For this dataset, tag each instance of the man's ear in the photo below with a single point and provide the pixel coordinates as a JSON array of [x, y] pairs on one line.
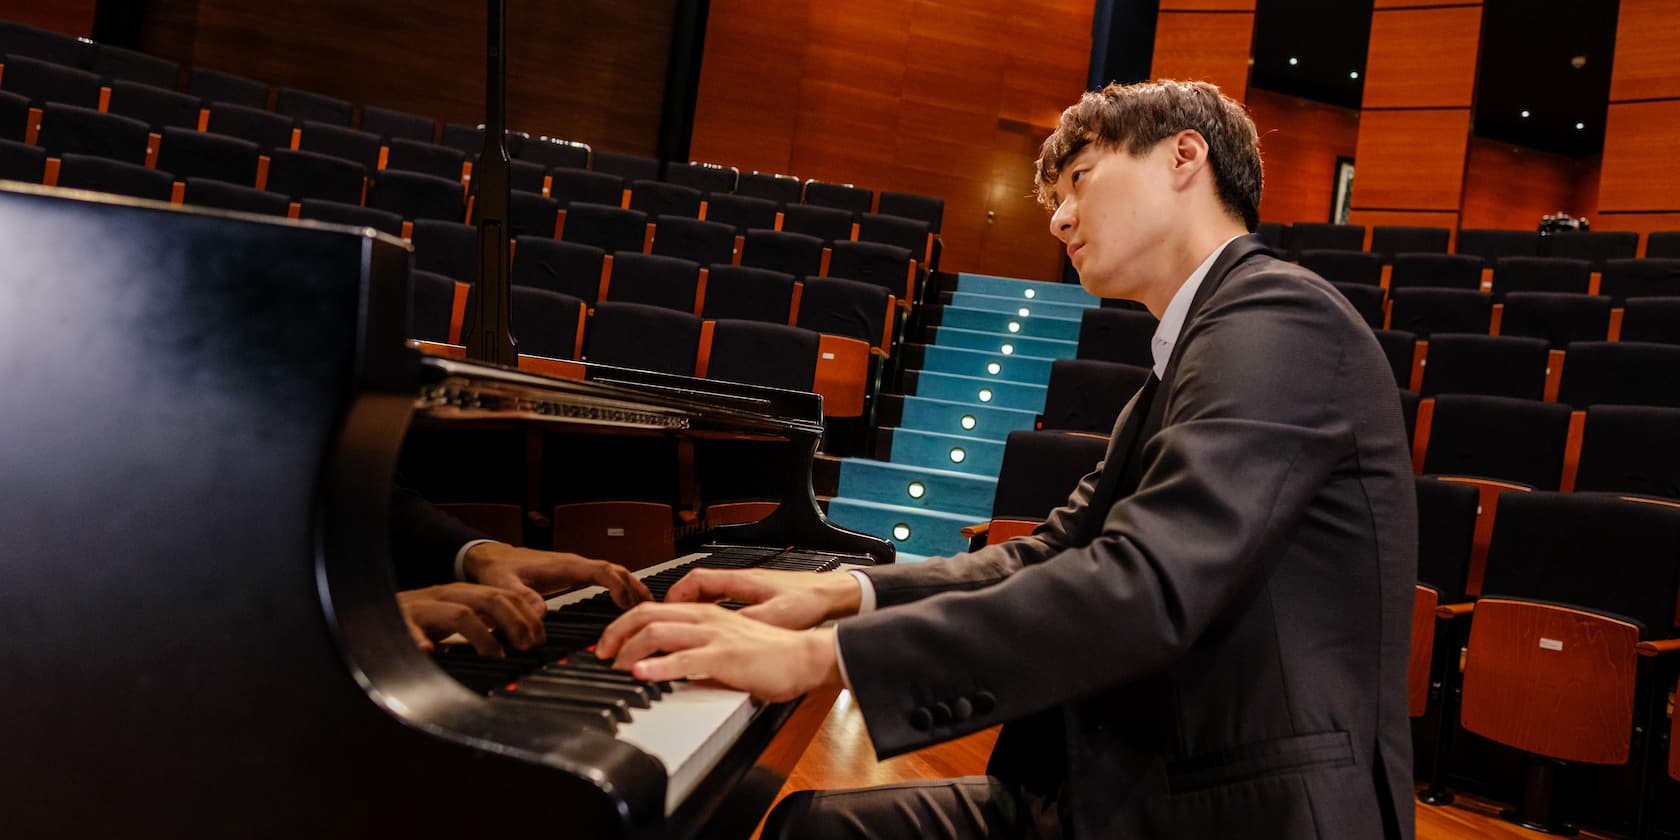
[[1189, 152]]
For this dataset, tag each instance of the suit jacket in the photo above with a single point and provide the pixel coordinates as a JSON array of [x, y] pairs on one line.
[[424, 540], [1210, 638]]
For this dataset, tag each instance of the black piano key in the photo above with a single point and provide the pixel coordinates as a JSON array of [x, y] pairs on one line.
[[654, 690], [570, 695], [588, 717], [635, 696]]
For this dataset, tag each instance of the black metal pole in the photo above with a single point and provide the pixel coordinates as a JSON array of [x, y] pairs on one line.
[[489, 338]]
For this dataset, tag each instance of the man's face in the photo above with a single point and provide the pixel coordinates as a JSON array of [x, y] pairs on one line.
[[1113, 210]]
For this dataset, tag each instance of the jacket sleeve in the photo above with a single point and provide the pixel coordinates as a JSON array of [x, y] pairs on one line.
[[424, 540], [1251, 431]]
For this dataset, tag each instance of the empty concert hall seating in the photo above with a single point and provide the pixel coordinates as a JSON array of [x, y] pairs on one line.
[[1275, 235], [67, 129], [1393, 240], [705, 177], [1116, 335], [1038, 468], [204, 192], [1409, 402], [422, 156], [611, 229], [1086, 395], [830, 224], [447, 248], [1446, 533], [340, 141], [1499, 438], [115, 64], [415, 196], [1424, 312], [848, 308], [912, 235], [1620, 373], [657, 199], [887, 266], [1366, 300], [264, 128], [1540, 274], [526, 175], [156, 107], [760, 353], [653, 338], [626, 166], [190, 153], [741, 212], [531, 214], [470, 139], [569, 268], [1662, 244], [925, 208], [744, 292], [1494, 245], [570, 186], [707, 243], [350, 214], [1324, 236], [1593, 246], [217, 87], [392, 124], [791, 253], [22, 162], [846, 197], [44, 82], [21, 39], [1649, 277], [1630, 449], [1499, 366], [86, 172], [431, 306], [1557, 317], [1652, 319], [546, 323], [14, 116], [1400, 347], [307, 107], [1438, 271], [1356, 267], [667, 282], [782, 189], [553, 153], [303, 175]]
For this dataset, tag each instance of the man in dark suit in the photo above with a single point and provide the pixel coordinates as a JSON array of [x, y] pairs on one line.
[[1210, 639]]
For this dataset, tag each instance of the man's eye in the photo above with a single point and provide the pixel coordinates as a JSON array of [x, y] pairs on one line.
[[1076, 175]]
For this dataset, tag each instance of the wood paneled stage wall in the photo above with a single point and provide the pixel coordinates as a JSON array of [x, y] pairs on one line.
[[1300, 140], [1639, 187], [944, 97], [72, 17]]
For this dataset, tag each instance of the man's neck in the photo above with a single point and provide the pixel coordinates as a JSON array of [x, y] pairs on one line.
[[1184, 255]]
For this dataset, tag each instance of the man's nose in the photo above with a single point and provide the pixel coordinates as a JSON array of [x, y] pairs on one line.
[[1061, 221]]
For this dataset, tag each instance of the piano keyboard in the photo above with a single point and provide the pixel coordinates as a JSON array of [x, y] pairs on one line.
[[688, 727]]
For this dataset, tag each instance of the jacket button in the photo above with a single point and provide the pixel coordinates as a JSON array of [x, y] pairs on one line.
[[962, 708], [984, 702], [921, 719], [941, 714]]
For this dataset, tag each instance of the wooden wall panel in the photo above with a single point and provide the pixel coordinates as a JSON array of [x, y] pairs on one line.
[[1647, 40], [591, 70], [1205, 46], [1207, 5], [1300, 140], [71, 17], [1411, 160], [1423, 58], [1414, 4], [1508, 186], [1641, 170]]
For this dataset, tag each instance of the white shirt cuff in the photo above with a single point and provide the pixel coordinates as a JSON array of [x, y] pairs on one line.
[[461, 561], [866, 591]]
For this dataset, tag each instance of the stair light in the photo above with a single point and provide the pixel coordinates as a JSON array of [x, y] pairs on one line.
[[1007, 349], [901, 532], [958, 455], [967, 422], [985, 395], [1024, 312], [916, 489], [1014, 326], [1030, 294], [994, 368]]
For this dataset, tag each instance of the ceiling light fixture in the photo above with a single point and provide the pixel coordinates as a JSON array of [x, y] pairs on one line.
[[1294, 61], [1525, 115], [1354, 74]]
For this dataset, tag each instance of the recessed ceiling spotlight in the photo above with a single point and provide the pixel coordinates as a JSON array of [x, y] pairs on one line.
[[1579, 126], [1525, 115], [1294, 61], [1354, 74], [1578, 62]]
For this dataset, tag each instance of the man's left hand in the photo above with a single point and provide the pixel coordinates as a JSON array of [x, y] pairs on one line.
[[704, 639], [543, 572]]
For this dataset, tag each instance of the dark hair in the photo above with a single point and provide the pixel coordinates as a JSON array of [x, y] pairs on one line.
[[1136, 117]]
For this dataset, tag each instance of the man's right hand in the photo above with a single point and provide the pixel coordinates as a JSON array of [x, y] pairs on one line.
[[795, 600], [475, 611]]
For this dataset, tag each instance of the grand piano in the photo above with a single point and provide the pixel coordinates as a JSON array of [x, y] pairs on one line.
[[202, 416]]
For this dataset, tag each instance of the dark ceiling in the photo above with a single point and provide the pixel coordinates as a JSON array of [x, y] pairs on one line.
[[1526, 64]]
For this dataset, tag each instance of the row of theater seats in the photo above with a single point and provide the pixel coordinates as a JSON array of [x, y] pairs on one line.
[[1490, 244]]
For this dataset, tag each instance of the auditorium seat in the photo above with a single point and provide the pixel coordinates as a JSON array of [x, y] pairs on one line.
[[44, 82], [569, 268], [570, 186], [846, 197], [206, 192], [887, 266], [658, 199], [910, 234], [1630, 449], [668, 282], [86, 172], [741, 212], [1436, 271], [1086, 395], [1366, 300], [1116, 335], [431, 306], [634, 335], [1409, 402], [266, 129], [1620, 373], [745, 293], [830, 224], [1325, 236], [926, 208], [1649, 277], [626, 166], [1357, 267], [1424, 312], [301, 175], [1390, 241], [552, 153], [1038, 468], [1275, 235], [1662, 244], [1593, 246], [447, 248], [340, 213], [863, 311], [1494, 245], [43, 44], [22, 162], [116, 64], [546, 323], [469, 139], [1540, 274], [1496, 366], [67, 129], [782, 189], [156, 107], [424, 157], [1401, 348], [193, 154], [1557, 317], [760, 353], [14, 116], [610, 228], [1574, 583], [342, 142], [307, 107], [705, 177], [1446, 514], [525, 175], [1498, 438], [707, 243], [415, 196], [1652, 319], [214, 86], [531, 214], [391, 124], [791, 253]]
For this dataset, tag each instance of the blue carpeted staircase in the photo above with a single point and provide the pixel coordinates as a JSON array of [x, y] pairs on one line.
[[983, 376]]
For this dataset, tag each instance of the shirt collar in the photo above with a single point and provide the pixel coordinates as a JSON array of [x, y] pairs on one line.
[[1172, 318]]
